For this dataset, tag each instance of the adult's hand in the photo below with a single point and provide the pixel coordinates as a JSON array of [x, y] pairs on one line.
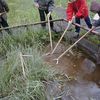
[[48, 15]]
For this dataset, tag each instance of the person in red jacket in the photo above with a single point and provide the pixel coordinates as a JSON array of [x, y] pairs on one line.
[[79, 9]]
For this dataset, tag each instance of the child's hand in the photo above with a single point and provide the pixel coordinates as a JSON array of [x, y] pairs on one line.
[[69, 22], [73, 17], [36, 5]]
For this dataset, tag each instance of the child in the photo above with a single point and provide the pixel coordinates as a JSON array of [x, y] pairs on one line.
[[95, 7], [79, 9], [45, 7]]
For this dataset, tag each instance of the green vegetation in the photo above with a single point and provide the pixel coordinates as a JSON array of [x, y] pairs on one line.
[[14, 85], [26, 39], [22, 11]]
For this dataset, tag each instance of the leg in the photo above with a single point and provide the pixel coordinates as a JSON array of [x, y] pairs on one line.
[[42, 17], [88, 22], [5, 24], [76, 34], [51, 23], [77, 20]]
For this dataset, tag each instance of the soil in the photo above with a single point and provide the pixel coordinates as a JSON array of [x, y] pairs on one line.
[[80, 75]]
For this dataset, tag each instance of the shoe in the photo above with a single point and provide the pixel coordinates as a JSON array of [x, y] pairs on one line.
[[54, 30], [76, 35]]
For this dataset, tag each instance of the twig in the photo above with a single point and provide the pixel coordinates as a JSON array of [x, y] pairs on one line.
[[67, 77]]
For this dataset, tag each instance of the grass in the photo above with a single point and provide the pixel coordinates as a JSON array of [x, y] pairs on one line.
[[29, 38], [14, 86], [21, 12]]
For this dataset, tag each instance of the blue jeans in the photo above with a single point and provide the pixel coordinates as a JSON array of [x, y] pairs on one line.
[[87, 21]]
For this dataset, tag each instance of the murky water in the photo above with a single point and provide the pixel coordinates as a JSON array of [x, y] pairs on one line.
[[85, 83]]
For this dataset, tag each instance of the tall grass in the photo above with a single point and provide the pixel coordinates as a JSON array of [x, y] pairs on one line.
[[29, 38], [13, 84]]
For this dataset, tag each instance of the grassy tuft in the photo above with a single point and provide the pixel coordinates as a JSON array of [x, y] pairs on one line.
[[13, 84]]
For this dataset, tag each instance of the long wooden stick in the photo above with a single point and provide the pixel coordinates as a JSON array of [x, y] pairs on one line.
[[87, 29], [50, 33], [61, 37], [22, 64], [74, 44]]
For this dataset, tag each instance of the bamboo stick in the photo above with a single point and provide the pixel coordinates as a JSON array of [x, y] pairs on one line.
[[22, 64], [51, 44], [62, 36], [87, 29], [74, 44]]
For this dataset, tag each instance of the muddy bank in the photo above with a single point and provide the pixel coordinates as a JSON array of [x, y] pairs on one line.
[[81, 77]]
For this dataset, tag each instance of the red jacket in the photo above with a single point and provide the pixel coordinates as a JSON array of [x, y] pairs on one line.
[[78, 8]]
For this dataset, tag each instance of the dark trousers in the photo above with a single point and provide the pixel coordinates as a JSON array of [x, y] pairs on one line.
[[43, 14], [4, 24], [87, 21]]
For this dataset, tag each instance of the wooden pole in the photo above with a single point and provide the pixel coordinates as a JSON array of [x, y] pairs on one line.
[[74, 44], [87, 29], [51, 44], [22, 64], [62, 36]]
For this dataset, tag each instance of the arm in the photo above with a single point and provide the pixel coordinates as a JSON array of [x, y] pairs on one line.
[[5, 5], [51, 5], [36, 3], [69, 11]]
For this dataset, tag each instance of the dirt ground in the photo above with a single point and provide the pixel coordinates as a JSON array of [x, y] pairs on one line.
[[80, 75]]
